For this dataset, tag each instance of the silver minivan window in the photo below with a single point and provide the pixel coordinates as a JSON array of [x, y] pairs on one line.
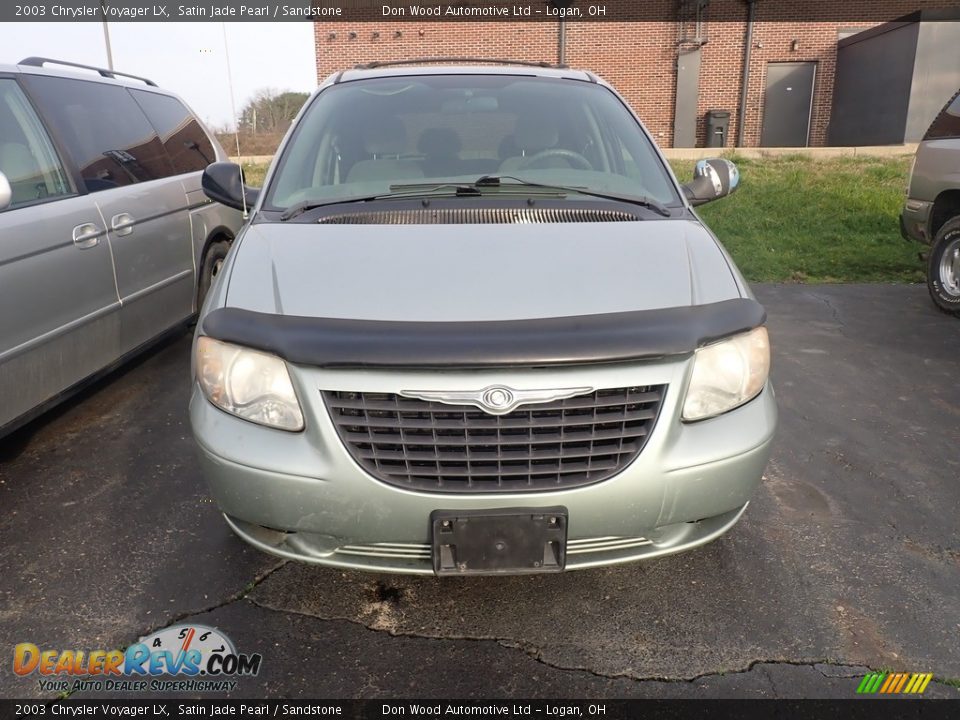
[[184, 140], [104, 130], [361, 137], [27, 157]]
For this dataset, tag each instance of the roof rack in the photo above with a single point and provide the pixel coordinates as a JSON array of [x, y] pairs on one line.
[[430, 60], [41, 61]]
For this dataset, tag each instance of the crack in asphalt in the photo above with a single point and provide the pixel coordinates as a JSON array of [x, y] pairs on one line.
[[229, 600], [532, 652], [833, 311], [765, 673], [536, 654]]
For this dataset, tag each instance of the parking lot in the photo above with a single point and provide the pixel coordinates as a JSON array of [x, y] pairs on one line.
[[848, 558]]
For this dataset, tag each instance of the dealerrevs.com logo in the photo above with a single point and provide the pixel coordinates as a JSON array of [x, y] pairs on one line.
[[200, 658]]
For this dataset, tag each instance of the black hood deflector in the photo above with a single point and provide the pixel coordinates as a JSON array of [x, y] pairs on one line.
[[609, 337]]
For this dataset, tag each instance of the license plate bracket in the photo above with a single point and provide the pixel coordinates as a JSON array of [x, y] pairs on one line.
[[504, 541]]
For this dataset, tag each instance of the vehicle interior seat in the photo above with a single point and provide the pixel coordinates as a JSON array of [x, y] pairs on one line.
[[22, 171], [384, 141], [440, 148], [533, 135], [508, 148]]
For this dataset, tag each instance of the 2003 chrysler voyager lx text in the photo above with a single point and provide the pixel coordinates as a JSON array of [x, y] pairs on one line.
[[474, 326]]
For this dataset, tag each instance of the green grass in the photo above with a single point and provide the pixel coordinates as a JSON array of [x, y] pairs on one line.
[[803, 220], [795, 219], [254, 173]]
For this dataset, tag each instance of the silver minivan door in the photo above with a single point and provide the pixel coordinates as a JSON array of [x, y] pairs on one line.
[[129, 175], [59, 320], [149, 230], [190, 149]]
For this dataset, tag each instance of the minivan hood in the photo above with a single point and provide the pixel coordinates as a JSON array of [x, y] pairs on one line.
[[476, 272]]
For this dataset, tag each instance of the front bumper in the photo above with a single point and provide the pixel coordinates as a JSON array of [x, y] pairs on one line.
[[301, 495], [415, 558], [915, 220]]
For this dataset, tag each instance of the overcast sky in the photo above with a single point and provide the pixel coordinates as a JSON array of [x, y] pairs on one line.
[[186, 58]]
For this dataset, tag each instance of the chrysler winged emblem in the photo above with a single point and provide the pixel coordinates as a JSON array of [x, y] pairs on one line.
[[496, 399]]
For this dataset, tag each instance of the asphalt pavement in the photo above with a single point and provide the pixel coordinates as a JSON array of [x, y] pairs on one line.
[[847, 561]]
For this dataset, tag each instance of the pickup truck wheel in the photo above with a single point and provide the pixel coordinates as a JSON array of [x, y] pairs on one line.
[[943, 271], [212, 263]]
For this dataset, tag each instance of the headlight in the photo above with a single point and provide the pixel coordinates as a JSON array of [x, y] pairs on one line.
[[249, 384], [727, 374]]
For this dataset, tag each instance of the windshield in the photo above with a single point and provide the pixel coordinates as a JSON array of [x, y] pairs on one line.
[[360, 138]]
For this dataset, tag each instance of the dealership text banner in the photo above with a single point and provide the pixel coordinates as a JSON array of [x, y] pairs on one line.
[[369, 11]]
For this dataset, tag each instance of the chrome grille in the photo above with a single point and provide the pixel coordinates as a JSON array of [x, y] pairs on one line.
[[423, 551], [437, 447]]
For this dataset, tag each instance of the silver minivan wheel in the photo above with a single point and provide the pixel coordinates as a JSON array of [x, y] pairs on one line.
[[212, 264]]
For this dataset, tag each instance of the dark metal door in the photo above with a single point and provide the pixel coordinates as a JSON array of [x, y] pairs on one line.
[[688, 93], [787, 103]]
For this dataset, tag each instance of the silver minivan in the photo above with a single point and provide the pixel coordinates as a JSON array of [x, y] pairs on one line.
[[106, 238]]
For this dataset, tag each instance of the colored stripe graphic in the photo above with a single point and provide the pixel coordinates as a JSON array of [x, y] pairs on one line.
[[903, 681], [870, 683], [894, 683], [885, 688]]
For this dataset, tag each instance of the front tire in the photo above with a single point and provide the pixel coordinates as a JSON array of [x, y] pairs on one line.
[[212, 263], [943, 270]]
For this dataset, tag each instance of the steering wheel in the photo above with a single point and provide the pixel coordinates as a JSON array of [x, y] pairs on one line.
[[575, 158]]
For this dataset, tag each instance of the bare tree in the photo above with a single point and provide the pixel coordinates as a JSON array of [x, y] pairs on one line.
[[270, 110]]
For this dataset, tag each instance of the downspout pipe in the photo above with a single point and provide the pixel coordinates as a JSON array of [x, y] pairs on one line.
[[562, 43], [745, 79]]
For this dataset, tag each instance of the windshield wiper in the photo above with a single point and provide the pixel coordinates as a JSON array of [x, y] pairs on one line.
[[454, 187], [300, 208], [642, 200], [471, 188], [414, 190]]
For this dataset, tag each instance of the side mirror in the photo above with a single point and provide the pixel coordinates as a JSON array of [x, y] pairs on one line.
[[713, 178], [222, 182], [6, 192]]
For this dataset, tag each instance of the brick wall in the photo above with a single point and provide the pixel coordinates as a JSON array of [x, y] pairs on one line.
[[636, 57]]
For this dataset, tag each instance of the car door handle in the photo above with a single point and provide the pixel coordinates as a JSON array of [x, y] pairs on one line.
[[122, 224], [86, 235]]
